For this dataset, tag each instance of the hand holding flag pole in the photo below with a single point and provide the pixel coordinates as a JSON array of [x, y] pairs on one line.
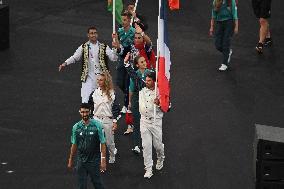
[[134, 10]]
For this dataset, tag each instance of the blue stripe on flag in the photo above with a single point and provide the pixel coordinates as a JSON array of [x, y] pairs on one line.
[[163, 15]]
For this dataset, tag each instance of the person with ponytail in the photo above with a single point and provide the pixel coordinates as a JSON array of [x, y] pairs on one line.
[[224, 22]]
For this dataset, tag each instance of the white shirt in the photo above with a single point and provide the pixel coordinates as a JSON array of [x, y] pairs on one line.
[[93, 63], [146, 103], [102, 105]]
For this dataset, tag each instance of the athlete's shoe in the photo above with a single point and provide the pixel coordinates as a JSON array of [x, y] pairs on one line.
[[259, 48], [148, 173], [268, 41], [223, 67], [123, 110], [159, 164], [136, 150]]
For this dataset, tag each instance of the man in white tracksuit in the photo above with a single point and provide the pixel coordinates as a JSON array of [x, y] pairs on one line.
[[150, 127]]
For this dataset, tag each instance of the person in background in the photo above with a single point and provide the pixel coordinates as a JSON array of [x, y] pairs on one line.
[[224, 22], [262, 10], [137, 82], [125, 36]]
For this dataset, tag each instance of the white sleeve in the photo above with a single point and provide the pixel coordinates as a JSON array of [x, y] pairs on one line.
[[111, 53], [76, 56]]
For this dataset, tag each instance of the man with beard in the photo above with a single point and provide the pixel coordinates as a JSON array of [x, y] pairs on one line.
[[94, 56], [88, 142], [150, 126]]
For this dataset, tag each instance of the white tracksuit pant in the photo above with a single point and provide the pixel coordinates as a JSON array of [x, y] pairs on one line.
[[107, 127], [87, 88], [151, 132]]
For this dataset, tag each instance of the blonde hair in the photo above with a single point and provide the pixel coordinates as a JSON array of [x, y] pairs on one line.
[[217, 4], [107, 83]]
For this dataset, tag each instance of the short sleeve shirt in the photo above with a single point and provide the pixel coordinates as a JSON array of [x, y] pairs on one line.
[[226, 12], [88, 139]]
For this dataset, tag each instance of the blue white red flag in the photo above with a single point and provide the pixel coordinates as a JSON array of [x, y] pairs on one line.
[[164, 58]]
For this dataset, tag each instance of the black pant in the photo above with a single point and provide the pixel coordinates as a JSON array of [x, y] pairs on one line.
[[261, 8], [89, 168], [223, 34], [123, 80]]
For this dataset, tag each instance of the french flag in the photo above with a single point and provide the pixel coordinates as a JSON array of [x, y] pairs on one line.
[[164, 59]]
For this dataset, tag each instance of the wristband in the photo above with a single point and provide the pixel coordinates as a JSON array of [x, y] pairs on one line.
[[142, 34], [103, 157]]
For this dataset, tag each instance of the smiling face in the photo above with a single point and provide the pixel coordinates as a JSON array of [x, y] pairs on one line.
[[138, 39], [141, 63]]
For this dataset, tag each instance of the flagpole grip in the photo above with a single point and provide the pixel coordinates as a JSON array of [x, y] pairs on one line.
[[134, 10]]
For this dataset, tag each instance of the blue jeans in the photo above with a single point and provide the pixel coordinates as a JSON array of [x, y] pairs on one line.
[[223, 34], [89, 168]]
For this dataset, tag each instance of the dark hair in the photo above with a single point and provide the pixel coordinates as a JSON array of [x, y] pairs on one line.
[[152, 75], [136, 59], [85, 106], [126, 13], [92, 28]]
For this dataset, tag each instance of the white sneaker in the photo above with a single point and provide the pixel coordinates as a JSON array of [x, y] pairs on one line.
[[111, 159], [160, 164], [230, 54], [136, 150], [129, 130], [123, 110], [223, 67], [148, 173], [115, 151]]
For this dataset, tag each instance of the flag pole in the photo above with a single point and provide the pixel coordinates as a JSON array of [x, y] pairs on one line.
[[113, 16], [157, 60]]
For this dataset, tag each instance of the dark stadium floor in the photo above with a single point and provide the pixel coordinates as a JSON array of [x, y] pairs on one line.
[[209, 132]]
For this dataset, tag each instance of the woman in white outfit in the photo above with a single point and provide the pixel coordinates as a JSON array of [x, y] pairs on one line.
[[106, 110]]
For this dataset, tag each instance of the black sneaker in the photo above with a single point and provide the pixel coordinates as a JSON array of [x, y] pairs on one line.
[[259, 48], [268, 41]]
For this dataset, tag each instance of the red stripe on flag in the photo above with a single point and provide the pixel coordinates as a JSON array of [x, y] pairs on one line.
[[174, 4], [164, 86]]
